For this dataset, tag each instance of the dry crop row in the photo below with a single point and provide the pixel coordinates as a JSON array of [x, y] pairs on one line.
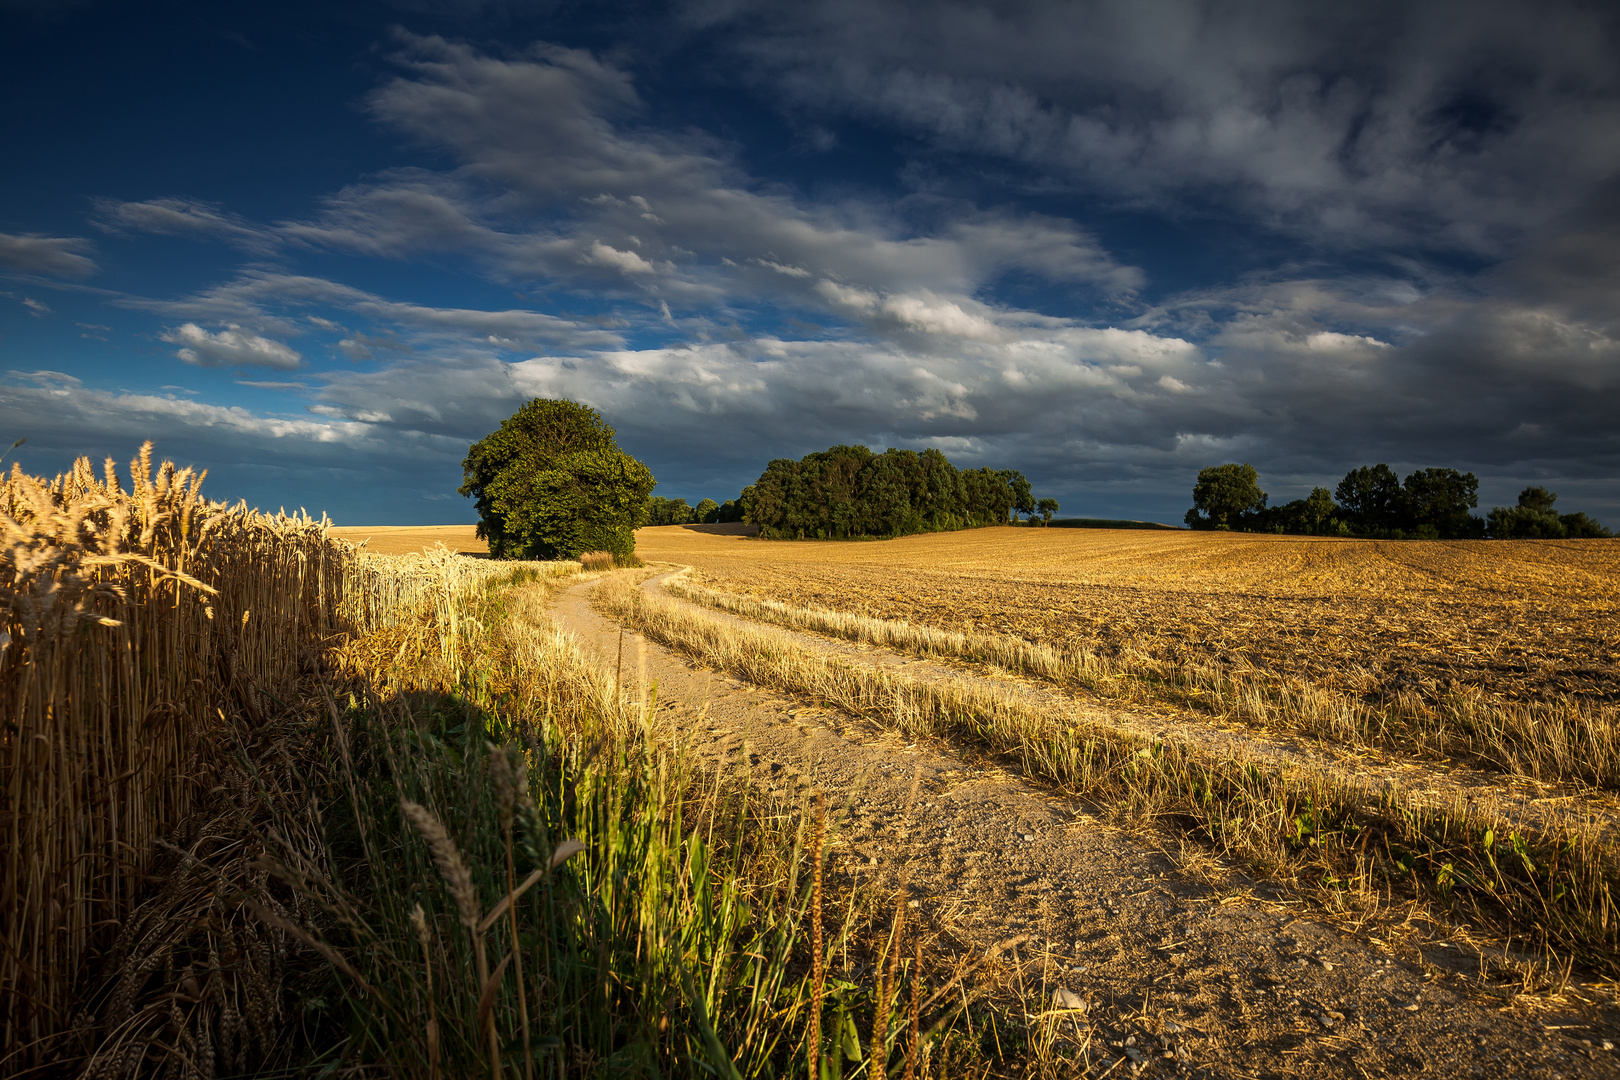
[[134, 620], [1321, 829], [1520, 621], [1558, 740]]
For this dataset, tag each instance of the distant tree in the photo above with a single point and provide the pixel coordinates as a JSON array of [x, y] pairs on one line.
[[1319, 508], [1023, 498], [706, 512], [1437, 502], [737, 509], [1371, 497], [1046, 508], [551, 482], [662, 511], [1225, 495], [1580, 527], [1535, 519], [1538, 499], [1523, 523]]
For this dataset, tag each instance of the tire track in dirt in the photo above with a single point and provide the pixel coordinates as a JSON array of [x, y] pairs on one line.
[[1233, 984]]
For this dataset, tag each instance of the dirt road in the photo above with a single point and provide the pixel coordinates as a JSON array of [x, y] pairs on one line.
[[1183, 978]]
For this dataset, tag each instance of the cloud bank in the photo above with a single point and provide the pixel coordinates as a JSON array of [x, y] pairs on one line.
[[1446, 293]]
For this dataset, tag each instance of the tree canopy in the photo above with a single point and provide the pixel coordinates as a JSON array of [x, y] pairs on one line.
[[662, 511], [1371, 495], [1535, 519], [848, 491], [1225, 495], [1372, 501], [552, 483]]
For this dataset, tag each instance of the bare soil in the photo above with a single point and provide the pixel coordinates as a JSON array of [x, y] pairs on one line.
[[1171, 952]]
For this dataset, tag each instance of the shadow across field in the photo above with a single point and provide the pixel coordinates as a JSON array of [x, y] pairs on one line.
[[1109, 523], [734, 528]]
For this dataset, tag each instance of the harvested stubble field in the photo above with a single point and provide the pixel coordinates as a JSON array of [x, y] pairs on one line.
[[412, 539], [1512, 621], [1046, 606]]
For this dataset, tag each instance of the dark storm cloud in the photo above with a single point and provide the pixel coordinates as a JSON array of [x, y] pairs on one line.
[[1449, 124]]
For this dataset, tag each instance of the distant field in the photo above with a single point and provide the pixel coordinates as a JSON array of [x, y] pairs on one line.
[[1105, 523], [1516, 619], [410, 539]]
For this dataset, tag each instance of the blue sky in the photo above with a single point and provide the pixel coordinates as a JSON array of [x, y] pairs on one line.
[[320, 252]]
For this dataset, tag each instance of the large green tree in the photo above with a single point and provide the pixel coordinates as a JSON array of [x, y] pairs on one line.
[[551, 483], [1224, 495], [1371, 496], [1437, 502]]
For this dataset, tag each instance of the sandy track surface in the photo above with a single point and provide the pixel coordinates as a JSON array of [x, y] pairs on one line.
[[1234, 981]]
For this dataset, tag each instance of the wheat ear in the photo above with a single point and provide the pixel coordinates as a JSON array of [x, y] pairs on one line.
[[818, 973], [458, 879]]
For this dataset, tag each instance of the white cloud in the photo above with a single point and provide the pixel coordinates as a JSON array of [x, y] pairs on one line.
[[38, 307], [789, 271], [1324, 340], [53, 256], [553, 183], [63, 418], [232, 345], [699, 399], [78, 408], [934, 315], [601, 254]]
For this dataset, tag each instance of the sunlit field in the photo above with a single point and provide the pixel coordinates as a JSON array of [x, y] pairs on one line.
[[1511, 620], [412, 539]]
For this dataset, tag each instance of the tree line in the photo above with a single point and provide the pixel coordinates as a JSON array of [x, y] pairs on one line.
[[1372, 501], [848, 491], [662, 511], [552, 483]]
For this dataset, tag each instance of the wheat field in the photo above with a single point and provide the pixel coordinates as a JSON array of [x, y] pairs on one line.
[[275, 804], [273, 800], [1028, 602], [142, 626]]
